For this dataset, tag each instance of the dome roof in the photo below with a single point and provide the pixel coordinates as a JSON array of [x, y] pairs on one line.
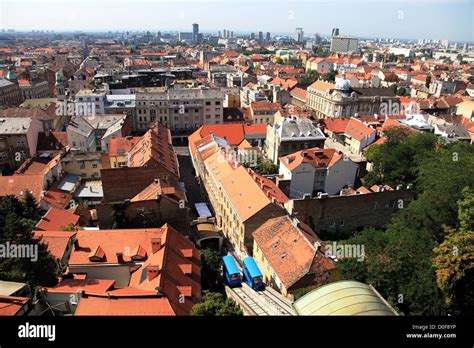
[[343, 84], [345, 297], [59, 76], [11, 75]]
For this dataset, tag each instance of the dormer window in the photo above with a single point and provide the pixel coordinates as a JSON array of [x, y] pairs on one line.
[[97, 254], [187, 253], [138, 254], [186, 291], [187, 269]]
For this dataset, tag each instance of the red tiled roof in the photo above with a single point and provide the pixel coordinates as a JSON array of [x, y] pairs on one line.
[[318, 158], [57, 241], [232, 133], [11, 305], [122, 146], [164, 254], [299, 93], [337, 125], [124, 306], [255, 129], [290, 251], [55, 197], [18, 185], [55, 219], [322, 85], [87, 285], [357, 129], [155, 148], [261, 106]]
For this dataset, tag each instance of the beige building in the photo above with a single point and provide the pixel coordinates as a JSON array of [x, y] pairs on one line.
[[34, 90], [291, 134], [9, 93], [18, 140], [87, 165], [340, 100], [179, 109], [466, 109]]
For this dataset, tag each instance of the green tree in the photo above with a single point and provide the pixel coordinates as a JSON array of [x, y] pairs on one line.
[[16, 223], [330, 76], [428, 81], [214, 304], [399, 261], [263, 167], [310, 77], [454, 259], [211, 268], [395, 161], [119, 218]]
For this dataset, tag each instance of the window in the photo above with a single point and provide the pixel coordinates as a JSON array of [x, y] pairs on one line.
[[94, 165], [208, 103], [218, 103]]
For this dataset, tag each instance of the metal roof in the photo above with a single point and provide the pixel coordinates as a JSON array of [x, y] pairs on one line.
[[252, 267], [345, 297], [230, 265], [69, 182]]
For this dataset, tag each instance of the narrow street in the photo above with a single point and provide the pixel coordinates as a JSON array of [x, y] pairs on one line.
[[187, 175]]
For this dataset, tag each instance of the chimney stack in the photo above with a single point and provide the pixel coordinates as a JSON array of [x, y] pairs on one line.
[[155, 245], [119, 257], [75, 241]]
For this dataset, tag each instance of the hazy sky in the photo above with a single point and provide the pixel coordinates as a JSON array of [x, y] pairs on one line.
[[435, 19]]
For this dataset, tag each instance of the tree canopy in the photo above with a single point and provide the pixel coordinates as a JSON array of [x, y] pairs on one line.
[[214, 304], [412, 262], [17, 219], [211, 267]]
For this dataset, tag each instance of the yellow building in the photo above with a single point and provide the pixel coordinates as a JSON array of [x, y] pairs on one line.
[[241, 200], [119, 149]]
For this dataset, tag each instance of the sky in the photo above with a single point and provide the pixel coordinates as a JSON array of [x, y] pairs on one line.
[[407, 19]]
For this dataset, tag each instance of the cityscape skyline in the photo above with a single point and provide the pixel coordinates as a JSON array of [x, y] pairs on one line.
[[389, 19]]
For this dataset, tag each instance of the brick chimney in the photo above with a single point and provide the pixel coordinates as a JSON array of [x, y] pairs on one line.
[[119, 257], [152, 272], [155, 245]]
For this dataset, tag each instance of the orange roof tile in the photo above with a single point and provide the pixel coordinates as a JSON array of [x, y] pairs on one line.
[[322, 85], [357, 129], [57, 241], [124, 306], [18, 185], [299, 93], [155, 149], [245, 194], [290, 251], [121, 146], [318, 158], [11, 305], [55, 219]]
